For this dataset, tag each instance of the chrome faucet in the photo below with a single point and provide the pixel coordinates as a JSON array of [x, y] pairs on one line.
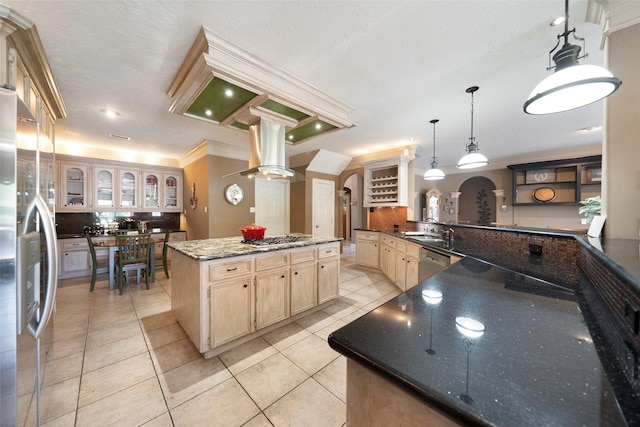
[[448, 234]]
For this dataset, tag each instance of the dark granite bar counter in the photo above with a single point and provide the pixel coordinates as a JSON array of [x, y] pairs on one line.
[[534, 364]]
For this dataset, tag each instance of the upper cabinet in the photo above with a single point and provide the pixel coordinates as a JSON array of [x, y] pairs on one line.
[[104, 188], [117, 187], [162, 191], [73, 188], [386, 182], [556, 182]]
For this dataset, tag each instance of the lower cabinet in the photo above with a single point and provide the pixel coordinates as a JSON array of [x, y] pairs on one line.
[[328, 279], [412, 267], [304, 286], [249, 294], [368, 249], [328, 272], [75, 259], [230, 308], [272, 297]]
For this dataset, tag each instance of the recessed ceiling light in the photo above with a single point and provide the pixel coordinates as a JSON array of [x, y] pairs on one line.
[[228, 92], [112, 114], [291, 137], [318, 126], [208, 112], [559, 20]]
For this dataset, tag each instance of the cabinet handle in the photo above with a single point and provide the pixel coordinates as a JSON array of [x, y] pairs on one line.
[[296, 273], [328, 251], [282, 277], [245, 285], [322, 266], [232, 269]]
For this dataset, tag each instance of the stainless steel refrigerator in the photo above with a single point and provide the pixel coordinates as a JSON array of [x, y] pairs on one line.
[[28, 260]]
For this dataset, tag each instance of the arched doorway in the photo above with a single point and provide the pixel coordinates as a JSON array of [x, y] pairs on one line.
[[477, 201], [353, 214]]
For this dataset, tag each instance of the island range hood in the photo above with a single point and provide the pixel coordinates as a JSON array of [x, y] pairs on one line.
[[267, 147]]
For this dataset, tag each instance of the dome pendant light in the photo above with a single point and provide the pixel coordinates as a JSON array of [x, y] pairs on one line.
[[572, 85], [473, 158], [434, 173]]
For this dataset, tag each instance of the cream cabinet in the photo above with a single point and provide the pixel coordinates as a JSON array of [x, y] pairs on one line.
[[74, 259], [128, 192], [231, 309], [412, 265], [116, 186], [272, 288], [388, 256], [386, 182], [73, 188], [368, 248], [304, 286], [224, 302], [401, 264], [328, 272], [104, 188]]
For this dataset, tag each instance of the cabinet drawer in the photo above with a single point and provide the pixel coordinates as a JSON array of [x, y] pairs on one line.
[[71, 244], [388, 240], [413, 250], [401, 245], [329, 251], [305, 255], [279, 259], [368, 235], [229, 269]]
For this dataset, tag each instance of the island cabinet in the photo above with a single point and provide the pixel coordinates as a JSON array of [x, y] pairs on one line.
[[224, 302], [304, 286], [272, 288], [328, 273], [368, 248], [388, 256]]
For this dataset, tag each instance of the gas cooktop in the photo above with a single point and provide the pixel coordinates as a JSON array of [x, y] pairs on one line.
[[271, 240]]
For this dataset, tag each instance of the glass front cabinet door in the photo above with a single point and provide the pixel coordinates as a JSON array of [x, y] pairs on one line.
[[104, 188], [151, 191], [73, 188], [172, 189], [128, 189]]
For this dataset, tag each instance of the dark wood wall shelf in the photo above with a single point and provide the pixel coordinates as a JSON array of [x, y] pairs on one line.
[[556, 182]]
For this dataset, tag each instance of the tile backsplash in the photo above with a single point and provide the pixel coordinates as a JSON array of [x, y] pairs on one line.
[[73, 223]]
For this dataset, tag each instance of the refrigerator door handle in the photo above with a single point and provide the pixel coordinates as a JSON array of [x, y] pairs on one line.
[[38, 204]]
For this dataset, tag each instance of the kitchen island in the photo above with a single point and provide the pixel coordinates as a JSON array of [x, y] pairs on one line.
[[225, 292], [476, 345]]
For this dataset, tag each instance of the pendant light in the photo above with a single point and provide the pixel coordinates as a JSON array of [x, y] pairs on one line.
[[473, 158], [434, 173], [571, 85]]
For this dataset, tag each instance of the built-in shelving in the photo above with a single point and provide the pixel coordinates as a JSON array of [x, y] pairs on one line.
[[558, 182], [386, 182]]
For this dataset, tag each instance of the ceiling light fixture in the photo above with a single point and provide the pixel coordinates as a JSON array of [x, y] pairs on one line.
[[434, 173], [473, 158], [112, 114], [571, 85]]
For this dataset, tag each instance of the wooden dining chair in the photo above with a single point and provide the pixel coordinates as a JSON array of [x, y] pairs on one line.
[[164, 253], [133, 254], [95, 263]]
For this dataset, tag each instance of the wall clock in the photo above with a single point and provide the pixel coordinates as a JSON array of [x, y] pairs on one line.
[[234, 194]]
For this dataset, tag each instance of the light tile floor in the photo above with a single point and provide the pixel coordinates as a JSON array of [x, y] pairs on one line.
[[124, 360]]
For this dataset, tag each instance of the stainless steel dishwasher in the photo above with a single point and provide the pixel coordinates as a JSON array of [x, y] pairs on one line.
[[431, 262]]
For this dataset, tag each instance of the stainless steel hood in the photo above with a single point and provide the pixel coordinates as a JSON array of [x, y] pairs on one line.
[[267, 147]]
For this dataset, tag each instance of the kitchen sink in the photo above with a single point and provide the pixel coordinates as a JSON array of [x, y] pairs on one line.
[[426, 239]]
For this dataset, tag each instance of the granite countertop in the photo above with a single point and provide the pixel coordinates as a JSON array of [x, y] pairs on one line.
[[151, 230], [226, 247], [535, 363]]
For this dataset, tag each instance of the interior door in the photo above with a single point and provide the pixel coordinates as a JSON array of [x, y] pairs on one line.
[[324, 204], [272, 205]]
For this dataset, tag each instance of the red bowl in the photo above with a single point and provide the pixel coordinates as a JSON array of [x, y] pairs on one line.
[[253, 232]]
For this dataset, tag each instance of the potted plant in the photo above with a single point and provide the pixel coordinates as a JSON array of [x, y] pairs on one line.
[[591, 206]]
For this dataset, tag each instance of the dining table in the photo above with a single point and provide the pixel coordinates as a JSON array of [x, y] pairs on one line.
[[113, 248]]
